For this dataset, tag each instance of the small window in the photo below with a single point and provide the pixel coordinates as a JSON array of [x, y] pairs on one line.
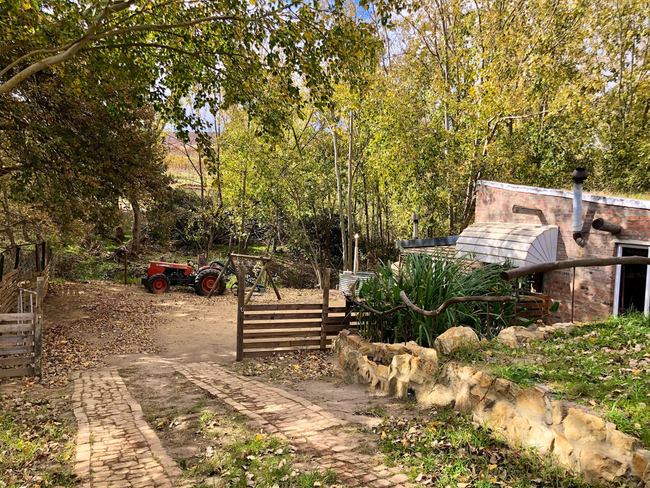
[[632, 291]]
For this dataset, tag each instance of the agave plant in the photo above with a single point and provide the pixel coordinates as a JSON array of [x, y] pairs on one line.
[[429, 280]]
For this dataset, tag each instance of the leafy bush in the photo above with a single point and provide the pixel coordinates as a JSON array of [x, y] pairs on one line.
[[429, 280]]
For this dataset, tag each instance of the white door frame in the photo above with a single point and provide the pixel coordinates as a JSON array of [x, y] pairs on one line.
[[617, 285]]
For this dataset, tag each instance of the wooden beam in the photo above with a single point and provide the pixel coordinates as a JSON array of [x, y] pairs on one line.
[[38, 325], [325, 280], [572, 263], [275, 288], [266, 307], [257, 281], [241, 279], [283, 316], [247, 256], [216, 283]]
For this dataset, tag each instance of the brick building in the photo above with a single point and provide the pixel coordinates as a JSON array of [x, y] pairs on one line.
[[541, 221]]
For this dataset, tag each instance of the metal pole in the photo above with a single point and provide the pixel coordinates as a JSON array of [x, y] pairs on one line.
[[573, 294], [488, 320]]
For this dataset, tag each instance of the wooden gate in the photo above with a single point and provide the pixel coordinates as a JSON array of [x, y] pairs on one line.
[[20, 334], [266, 329]]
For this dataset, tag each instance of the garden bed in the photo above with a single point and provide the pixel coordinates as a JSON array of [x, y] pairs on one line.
[[604, 365], [547, 415]]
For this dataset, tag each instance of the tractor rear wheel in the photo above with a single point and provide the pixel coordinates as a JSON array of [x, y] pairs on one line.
[[158, 283], [206, 279]]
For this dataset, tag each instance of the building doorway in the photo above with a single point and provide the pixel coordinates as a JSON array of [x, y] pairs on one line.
[[632, 291]]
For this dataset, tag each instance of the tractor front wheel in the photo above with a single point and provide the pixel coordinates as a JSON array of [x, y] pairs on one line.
[[206, 279], [158, 283]]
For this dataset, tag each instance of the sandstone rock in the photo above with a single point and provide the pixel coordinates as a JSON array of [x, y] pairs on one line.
[[366, 349], [429, 355], [564, 451], [517, 335], [623, 442], [532, 399], [564, 327], [536, 401], [396, 349], [399, 375], [641, 464], [456, 338], [599, 465], [583, 426], [559, 410], [382, 372], [542, 438], [505, 390], [413, 348]]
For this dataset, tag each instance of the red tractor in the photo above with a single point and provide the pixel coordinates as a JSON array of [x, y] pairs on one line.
[[161, 275]]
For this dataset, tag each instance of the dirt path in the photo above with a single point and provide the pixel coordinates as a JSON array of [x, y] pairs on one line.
[[140, 361], [179, 325]]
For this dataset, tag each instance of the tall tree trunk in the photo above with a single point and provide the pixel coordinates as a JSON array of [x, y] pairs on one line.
[[204, 217], [9, 229], [350, 245], [240, 244], [339, 196], [137, 225], [365, 207]]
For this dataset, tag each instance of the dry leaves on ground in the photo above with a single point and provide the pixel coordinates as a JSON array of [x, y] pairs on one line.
[[290, 366], [114, 323]]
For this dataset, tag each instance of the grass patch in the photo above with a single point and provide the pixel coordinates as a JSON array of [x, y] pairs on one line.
[[253, 460], [231, 456], [604, 365], [37, 443], [448, 450]]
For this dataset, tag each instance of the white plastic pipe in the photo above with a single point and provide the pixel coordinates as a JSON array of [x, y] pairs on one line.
[[577, 214]]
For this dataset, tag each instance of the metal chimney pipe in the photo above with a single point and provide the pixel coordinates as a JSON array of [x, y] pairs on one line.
[[579, 175], [415, 218]]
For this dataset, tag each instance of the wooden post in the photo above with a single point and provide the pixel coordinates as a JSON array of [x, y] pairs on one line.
[[216, 283], [38, 325], [2, 266], [275, 288], [257, 281], [241, 284], [326, 305], [125, 266]]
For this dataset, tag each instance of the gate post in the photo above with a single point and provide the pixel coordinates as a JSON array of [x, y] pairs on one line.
[[325, 280], [241, 296], [38, 325]]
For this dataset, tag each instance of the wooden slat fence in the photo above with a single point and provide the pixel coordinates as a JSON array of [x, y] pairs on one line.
[[533, 306], [20, 336], [274, 328], [267, 329]]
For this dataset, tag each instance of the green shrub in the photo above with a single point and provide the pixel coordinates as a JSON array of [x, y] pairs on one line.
[[429, 280]]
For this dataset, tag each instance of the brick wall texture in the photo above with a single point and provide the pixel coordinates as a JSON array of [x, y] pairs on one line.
[[594, 287]]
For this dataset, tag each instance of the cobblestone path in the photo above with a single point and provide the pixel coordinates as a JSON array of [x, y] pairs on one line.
[[116, 448], [306, 425]]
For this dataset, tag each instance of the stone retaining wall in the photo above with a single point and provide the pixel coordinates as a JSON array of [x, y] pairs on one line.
[[577, 437]]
